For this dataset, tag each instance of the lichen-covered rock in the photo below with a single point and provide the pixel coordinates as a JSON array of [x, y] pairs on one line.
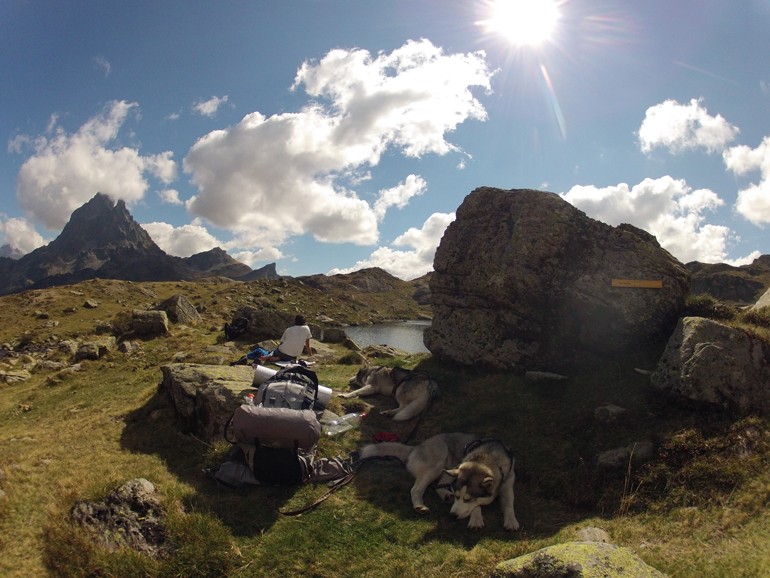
[[710, 362], [205, 396], [578, 560], [130, 517], [524, 279]]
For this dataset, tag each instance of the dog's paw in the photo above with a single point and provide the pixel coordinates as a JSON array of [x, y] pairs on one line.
[[511, 526], [476, 521], [345, 395], [423, 509], [388, 411], [510, 522]]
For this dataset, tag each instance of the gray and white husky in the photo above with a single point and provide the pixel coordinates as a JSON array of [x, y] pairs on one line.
[[427, 462], [485, 471], [413, 390]]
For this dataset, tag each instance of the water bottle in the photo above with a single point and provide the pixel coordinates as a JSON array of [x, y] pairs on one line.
[[248, 399], [344, 423]]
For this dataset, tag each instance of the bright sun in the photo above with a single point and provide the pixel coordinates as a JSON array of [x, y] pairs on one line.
[[524, 22]]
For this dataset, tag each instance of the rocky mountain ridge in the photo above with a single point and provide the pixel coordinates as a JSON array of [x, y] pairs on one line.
[[102, 240]]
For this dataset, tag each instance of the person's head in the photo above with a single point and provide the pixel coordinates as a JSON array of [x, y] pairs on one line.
[[299, 320]]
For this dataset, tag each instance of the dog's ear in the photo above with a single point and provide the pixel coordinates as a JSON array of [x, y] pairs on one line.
[[453, 473], [488, 484]]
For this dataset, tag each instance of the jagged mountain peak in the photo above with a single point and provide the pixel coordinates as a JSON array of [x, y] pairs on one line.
[[102, 223]]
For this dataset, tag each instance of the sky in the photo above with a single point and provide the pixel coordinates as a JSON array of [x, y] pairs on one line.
[[327, 136]]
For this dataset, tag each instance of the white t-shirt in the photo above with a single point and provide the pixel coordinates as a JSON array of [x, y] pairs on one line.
[[293, 340]]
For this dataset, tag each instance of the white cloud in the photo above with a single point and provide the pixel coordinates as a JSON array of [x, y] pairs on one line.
[[209, 107], [66, 170], [678, 127], [257, 259], [181, 241], [411, 263], [170, 196], [753, 202], [399, 195], [20, 234], [104, 65], [290, 174], [666, 208]]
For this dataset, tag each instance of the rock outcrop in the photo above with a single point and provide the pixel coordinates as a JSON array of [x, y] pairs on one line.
[[740, 285], [524, 279], [763, 301], [706, 361], [205, 396]]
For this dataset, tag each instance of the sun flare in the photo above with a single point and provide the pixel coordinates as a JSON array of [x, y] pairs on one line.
[[524, 22]]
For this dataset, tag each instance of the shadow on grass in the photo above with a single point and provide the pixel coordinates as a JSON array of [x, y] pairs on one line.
[[153, 429]]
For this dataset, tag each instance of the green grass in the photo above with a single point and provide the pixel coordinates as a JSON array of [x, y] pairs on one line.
[[700, 508]]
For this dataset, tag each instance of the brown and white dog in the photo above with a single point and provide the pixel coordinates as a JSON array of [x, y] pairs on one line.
[[413, 390]]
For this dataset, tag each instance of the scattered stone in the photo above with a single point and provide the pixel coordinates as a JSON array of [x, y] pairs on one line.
[[608, 413], [592, 534], [543, 376], [14, 376], [70, 310], [41, 314], [95, 349], [333, 335], [636, 453], [130, 517], [91, 304]]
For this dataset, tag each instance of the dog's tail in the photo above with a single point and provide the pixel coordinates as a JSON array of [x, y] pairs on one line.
[[387, 450]]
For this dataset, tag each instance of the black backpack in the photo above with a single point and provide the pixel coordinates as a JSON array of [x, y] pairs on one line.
[[237, 328]]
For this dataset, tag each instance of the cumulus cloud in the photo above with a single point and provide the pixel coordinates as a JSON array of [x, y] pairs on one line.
[[170, 197], [66, 170], [20, 234], [753, 202], [666, 207], [399, 195], [257, 259], [181, 241], [293, 173], [210, 107], [681, 127], [417, 257]]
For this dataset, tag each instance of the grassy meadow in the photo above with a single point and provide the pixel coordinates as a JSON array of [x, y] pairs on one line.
[[698, 509]]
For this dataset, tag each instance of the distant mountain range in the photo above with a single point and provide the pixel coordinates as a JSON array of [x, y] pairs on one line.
[[102, 240]]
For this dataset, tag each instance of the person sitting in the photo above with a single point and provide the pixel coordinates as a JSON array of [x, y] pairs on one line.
[[294, 341]]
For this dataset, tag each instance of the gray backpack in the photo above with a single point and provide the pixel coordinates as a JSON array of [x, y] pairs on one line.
[[293, 387]]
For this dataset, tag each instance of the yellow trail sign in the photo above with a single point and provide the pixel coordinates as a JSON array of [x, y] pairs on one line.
[[647, 284]]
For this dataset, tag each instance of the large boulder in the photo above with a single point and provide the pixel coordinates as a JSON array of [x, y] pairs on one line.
[[707, 361], [205, 395], [266, 323], [524, 279], [149, 323], [179, 310]]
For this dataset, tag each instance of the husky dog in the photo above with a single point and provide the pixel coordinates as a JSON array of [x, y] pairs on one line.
[[413, 390], [427, 462], [485, 472]]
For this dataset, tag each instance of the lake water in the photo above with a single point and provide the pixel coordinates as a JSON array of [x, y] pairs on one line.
[[403, 335]]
